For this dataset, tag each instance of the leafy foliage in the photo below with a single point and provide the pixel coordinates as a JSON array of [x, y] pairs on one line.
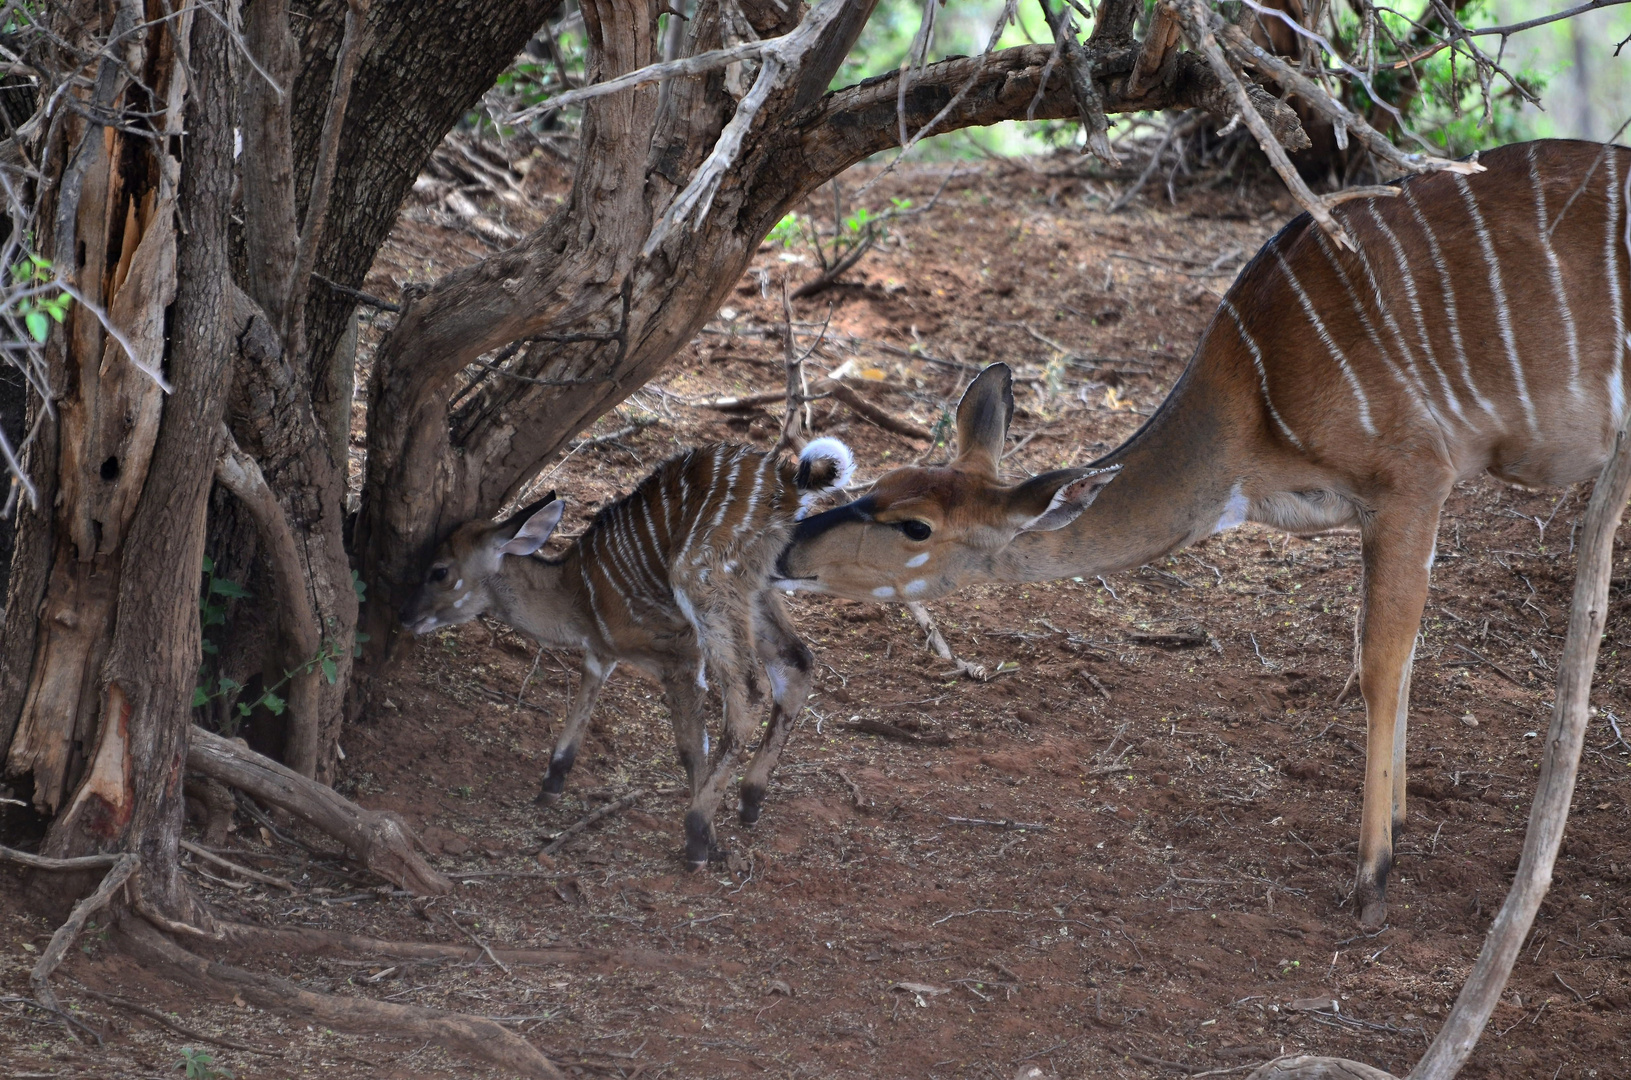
[[197, 1064]]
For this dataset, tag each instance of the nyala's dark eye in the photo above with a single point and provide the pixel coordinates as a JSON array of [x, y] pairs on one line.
[[438, 573], [916, 530]]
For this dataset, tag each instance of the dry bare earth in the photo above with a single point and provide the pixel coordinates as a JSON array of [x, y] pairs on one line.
[[1188, 884]]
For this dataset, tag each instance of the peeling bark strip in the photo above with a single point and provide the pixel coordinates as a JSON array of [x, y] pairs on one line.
[[378, 840]]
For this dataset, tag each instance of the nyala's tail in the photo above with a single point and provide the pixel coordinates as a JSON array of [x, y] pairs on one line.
[[825, 466]]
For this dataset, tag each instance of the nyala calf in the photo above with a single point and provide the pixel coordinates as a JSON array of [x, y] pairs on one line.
[[673, 579]]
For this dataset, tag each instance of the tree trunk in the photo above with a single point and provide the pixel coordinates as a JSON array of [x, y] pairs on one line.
[[601, 318], [104, 727]]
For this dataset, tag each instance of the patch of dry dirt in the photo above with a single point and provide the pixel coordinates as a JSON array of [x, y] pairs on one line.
[[1196, 808]]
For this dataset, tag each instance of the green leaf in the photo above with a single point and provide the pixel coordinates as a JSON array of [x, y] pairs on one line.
[[273, 702], [330, 672], [210, 648], [214, 616], [362, 638], [360, 587], [223, 587], [209, 565], [38, 325], [228, 685], [244, 708], [200, 697]]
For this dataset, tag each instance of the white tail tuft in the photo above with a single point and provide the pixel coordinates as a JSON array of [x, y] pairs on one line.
[[830, 449], [835, 451]]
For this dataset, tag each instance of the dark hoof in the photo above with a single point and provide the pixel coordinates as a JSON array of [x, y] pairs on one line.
[[547, 798], [1373, 916], [753, 804], [698, 840]]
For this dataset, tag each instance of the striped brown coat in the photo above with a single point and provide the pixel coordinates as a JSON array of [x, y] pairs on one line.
[[672, 579]]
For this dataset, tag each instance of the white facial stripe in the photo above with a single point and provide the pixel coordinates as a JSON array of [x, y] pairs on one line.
[[915, 586], [884, 592], [917, 560]]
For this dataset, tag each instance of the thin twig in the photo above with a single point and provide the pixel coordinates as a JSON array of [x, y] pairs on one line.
[[583, 823]]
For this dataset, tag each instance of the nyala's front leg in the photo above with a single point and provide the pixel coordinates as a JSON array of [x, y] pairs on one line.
[[592, 675]]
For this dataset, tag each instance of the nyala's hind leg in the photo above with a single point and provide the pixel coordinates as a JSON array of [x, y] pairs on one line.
[[593, 674], [686, 712], [790, 665]]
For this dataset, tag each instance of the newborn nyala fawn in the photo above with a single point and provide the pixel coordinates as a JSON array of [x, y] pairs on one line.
[[673, 579]]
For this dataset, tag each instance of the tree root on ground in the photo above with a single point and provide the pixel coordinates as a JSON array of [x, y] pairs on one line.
[[68, 933], [379, 840], [471, 1035], [310, 942]]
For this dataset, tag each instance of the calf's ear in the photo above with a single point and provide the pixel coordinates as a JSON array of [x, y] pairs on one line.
[[530, 530], [983, 417]]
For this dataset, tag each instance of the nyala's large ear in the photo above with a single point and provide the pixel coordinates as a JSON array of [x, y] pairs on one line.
[[982, 419], [525, 532], [1054, 500]]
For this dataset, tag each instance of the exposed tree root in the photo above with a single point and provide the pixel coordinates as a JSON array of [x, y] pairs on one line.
[[1304, 1067], [68, 933], [41, 862], [380, 841], [479, 1038], [180, 1029], [328, 942]]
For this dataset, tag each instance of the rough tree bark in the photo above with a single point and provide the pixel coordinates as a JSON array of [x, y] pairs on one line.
[[599, 318]]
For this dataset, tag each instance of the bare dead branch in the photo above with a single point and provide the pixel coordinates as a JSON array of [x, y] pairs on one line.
[[700, 64], [1197, 18], [1079, 69], [227, 864], [1246, 50], [41, 862], [1163, 36]]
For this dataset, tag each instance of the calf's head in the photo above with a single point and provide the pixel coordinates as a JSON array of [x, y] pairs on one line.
[[459, 583]]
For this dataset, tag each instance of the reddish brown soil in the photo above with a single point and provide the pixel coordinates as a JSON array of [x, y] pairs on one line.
[[1197, 819]]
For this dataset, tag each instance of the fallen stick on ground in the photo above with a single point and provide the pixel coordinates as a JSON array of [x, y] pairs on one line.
[[180, 1029], [583, 823]]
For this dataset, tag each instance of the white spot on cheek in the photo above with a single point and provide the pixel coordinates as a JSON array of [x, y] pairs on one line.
[[459, 603], [459, 584], [917, 560], [915, 586], [1234, 511], [884, 592]]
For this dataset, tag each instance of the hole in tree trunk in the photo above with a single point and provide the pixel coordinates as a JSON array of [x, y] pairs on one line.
[[110, 469]]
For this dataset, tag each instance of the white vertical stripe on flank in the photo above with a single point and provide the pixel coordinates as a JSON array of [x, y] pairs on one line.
[[1409, 381], [1611, 255], [766, 462], [729, 496], [1555, 272], [586, 557], [708, 499], [1262, 374], [1325, 336], [659, 563], [1409, 281], [1448, 291], [1503, 312]]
